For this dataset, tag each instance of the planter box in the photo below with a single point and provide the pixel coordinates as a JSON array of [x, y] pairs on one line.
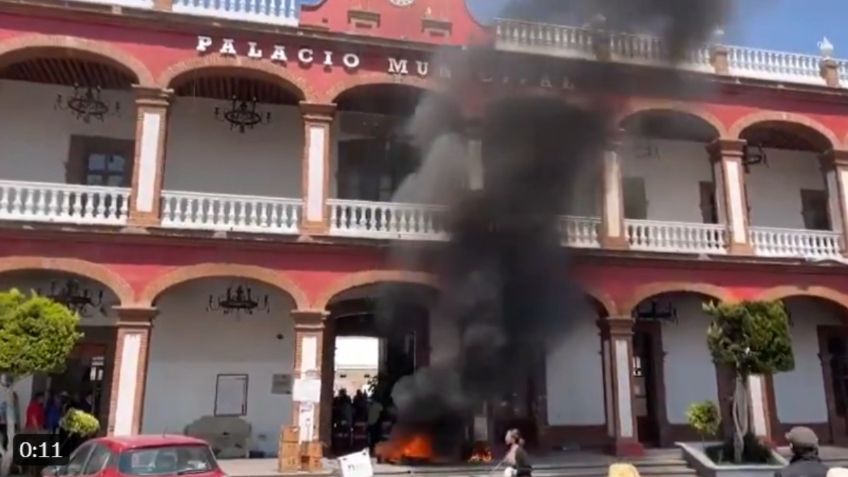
[[705, 467]]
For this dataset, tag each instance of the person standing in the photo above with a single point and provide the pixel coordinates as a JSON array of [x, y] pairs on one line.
[[54, 413], [35, 414], [805, 461], [517, 460]]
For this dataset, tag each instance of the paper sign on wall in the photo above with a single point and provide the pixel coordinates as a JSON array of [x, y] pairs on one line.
[[306, 421], [356, 465], [281, 384]]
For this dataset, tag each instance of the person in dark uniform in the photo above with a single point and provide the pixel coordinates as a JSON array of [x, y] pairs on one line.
[[805, 460]]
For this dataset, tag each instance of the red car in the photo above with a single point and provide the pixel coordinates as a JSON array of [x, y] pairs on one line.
[[140, 456]]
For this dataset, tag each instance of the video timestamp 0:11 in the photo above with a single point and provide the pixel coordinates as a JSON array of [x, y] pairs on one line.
[[38, 450]]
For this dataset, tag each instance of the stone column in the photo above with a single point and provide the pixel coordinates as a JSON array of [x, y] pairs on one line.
[[476, 170], [317, 148], [758, 394], [129, 374], [613, 234], [835, 169], [731, 200], [151, 132], [617, 350], [308, 358]]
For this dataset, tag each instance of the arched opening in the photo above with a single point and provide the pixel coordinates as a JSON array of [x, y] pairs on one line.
[[672, 366], [820, 377], [575, 380], [69, 133], [664, 156], [235, 151], [86, 379], [380, 334], [785, 186], [225, 346]]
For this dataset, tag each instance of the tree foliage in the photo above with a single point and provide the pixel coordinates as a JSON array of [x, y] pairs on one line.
[[751, 337], [704, 417], [36, 334]]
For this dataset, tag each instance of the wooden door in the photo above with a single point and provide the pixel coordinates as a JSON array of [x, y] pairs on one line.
[[833, 353]]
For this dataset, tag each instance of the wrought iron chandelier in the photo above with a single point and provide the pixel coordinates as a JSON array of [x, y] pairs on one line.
[[656, 312], [242, 115], [239, 300], [754, 156], [76, 298], [85, 104]]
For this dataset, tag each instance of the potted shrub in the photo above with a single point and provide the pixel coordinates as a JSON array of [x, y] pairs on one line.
[[705, 418]]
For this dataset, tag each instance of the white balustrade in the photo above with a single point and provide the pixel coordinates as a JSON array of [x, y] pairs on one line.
[[277, 12], [235, 213], [573, 42], [559, 40], [778, 242], [63, 203], [386, 220], [679, 237], [581, 232], [774, 65]]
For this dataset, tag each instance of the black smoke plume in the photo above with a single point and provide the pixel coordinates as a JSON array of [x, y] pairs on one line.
[[504, 274]]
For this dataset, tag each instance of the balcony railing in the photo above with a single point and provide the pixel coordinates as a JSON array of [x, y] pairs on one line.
[[278, 12], [235, 213], [386, 220], [573, 42], [792, 243], [678, 237], [63, 203], [581, 232]]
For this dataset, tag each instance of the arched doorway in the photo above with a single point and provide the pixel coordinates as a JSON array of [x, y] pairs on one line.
[[574, 379], [665, 149], [383, 331], [672, 365], [785, 184], [87, 376], [220, 363], [815, 392], [247, 123], [82, 170]]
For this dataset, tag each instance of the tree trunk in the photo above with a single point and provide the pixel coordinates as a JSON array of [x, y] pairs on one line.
[[741, 418], [11, 414]]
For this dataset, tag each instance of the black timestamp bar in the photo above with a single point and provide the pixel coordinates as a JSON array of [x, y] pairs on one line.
[[38, 450]]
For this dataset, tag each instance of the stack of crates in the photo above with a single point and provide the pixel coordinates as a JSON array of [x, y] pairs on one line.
[[310, 456], [289, 451]]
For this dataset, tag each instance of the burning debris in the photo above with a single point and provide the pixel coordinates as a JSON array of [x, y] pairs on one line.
[[415, 448], [504, 274]]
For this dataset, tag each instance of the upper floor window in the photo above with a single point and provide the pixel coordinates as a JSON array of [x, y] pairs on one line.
[[100, 161], [814, 208], [635, 198], [373, 168], [709, 209]]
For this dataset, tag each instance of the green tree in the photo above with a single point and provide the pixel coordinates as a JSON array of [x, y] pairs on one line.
[[750, 338], [704, 417], [36, 336]]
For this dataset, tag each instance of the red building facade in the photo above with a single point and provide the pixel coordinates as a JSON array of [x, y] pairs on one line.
[[155, 53]]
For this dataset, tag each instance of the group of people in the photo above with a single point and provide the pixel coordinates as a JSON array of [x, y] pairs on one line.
[[358, 422], [44, 414]]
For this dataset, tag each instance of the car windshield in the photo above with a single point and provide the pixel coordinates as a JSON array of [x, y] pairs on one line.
[[167, 460]]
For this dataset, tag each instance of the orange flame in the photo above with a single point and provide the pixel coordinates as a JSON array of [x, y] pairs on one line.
[[414, 447], [481, 454]]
